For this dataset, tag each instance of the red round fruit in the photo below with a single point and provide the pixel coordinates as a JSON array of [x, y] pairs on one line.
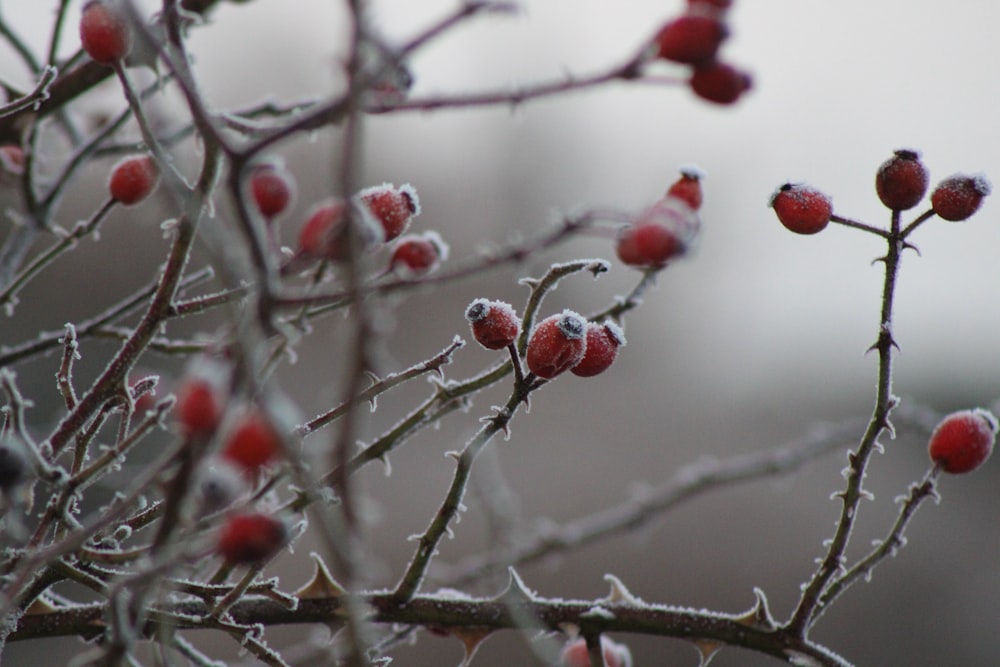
[[558, 343], [393, 207], [963, 440], [198, 410], [323, 234], [603, 341], [691, 39], [250, 538], [252, 442], [687, 188], [105, 33], [133, 179], [417, 254], [958, 197], [801, 208], [272, 188], [494, 324], [901, 181], [574, 653], [719, 83], [647, 245]]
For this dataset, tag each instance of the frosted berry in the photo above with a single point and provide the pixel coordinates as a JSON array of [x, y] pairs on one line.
[[252, 442], [801, 208], [393, 207], [133, 179], [199, 406], [901, 181], [272, 188], [603, 341], [719, 83], [417, 254], [105, 33], [494, 324], [687, 188], [250, 538], [574, 654], [958, 197], [14, 466], [691, 39], [558, 343], [323, 236], [962, 441], [647, 245]]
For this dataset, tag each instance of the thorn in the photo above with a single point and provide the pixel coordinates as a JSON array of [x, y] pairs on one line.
[[620, 594], [760, 616], [322, 584], [706, 650], [516, 591]]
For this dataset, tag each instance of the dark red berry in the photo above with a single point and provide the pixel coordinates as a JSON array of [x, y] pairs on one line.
[[691, 39], [687, 188], [393, 207], [133, 179], [801, 208], [494, 324], [558, 343], [252, 442], [250, 538], [719, 83], [647, 245], [963, 441], [323, 236], [199, 406], [272, 189], [603, 341], [105, 33], [958, 197], [901, 181], [417, 254]]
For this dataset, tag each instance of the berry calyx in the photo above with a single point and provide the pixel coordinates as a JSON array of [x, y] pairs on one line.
[[958, 197], [252, 442], [963, 440], [105, 33], [199, 407], [323, 236], [272, 188], [417, 254], [603, 341], [574, 653], [691, 39], [687, 188], [250, 538], [801, 208], [495, 324], [719, 83], [133, 179], [557, 344], [393, 207], [901, 182]]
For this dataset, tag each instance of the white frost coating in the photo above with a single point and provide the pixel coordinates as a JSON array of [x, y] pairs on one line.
[[692, 171], [598, 612]]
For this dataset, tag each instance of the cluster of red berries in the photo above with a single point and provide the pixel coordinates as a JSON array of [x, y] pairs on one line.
[[574, 653], [900, 182], [694, 38], [667, 228], [559, 343]]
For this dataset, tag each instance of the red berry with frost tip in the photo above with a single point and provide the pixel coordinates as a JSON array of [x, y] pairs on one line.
[[801, 208], [272, 188], [603, 341], [252, 442], [963, 440], [393, 207], [418, 254], [250, 538], [105, 33], [133, 179], [494, 324], [958, 197], [323, 235], [199, 406], [557, 344], [691, 39], [901, 182], [687, 188], [719, 83], [574, 653]]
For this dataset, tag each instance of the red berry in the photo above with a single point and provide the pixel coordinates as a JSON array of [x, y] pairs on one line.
[[323, 236], [691, 39], [199, 407], [901, 181], [252, 442], [417, 254], [558, 343], [494, 324], [958, 197], [250, 538], [963, 440], [12, 158], [801, 208], [719, 83], [272, 188], [603, 341], [574, 654], [133, 179], [647, 245], [393, 208], [688, 187], [105, 33]]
